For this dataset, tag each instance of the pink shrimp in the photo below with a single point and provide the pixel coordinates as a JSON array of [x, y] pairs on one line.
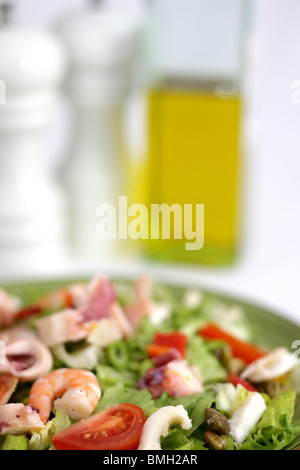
[[75, 391]]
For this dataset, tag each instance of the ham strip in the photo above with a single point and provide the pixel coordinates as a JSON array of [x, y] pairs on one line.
[[99, 296]]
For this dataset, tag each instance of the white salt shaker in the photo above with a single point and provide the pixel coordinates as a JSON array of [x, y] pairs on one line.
[[102, 44], [32, 217]]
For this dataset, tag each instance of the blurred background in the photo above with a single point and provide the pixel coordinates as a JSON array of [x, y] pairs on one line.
[[164, 101]]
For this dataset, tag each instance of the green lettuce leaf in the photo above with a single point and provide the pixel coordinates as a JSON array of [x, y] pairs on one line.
[[281, 404], [119, 393], [108, 376], [275, 430], [209, 366], [195, 406], [42, 440], [272, 438], [15, 442]]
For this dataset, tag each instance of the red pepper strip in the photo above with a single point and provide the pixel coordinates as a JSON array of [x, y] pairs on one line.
[[58, 299], [155, 350], [174, 339], [235, 380], [27, 312], [245, 351]]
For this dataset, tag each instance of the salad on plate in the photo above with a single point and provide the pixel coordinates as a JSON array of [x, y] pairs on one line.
[[114, 365]]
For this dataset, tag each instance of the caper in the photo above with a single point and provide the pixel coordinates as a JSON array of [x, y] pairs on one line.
[[215, 441], [216, 421], [224, 354], [233, 364]]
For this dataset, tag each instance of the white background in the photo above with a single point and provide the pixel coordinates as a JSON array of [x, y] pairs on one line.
[[268, 270]]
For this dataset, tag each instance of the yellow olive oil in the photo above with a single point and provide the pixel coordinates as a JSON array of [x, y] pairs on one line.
[[194, 158]]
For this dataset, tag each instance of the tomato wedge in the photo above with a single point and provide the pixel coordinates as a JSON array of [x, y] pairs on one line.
[[8, 385], [245, 351], [162, 342], [116, 428]]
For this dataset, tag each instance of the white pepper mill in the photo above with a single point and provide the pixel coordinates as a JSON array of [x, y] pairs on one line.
[[102, 43], [32, 217]]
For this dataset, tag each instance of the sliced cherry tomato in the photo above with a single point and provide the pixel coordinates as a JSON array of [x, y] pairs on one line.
[[116, 428], [245, 351], [162, 342], [8, 385], [235, 380]]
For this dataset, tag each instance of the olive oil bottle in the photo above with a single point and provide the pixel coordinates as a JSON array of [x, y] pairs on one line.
[[194, 124], [194, 158]]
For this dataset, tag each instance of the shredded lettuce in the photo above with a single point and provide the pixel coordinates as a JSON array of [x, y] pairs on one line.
[[107, 376], [225, 397], [178, 438], [119, 393], [15, 442], [284, 403], [272, 438], [209, 366], [240, 395], [174, 440], [275, 430], [193, 444], [42, 440], [195, 406]]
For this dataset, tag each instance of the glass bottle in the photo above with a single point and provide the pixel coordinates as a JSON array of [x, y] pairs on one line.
[[194, 61]]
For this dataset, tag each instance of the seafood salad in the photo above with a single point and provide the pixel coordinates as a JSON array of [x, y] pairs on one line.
[[113, 365]]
